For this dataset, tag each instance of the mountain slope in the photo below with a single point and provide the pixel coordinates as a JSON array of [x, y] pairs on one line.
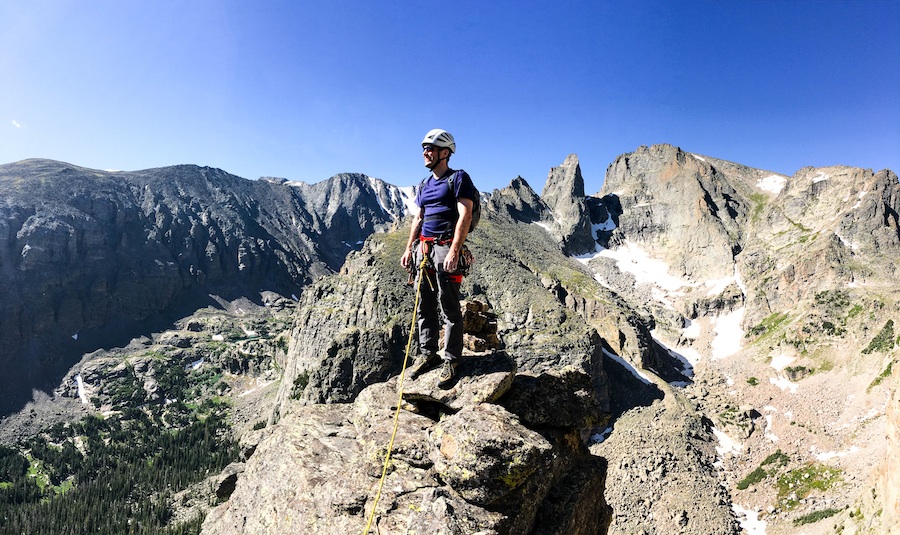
[[92, 258]]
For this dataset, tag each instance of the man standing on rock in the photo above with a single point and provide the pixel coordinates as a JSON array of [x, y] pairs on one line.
[[438, 231]]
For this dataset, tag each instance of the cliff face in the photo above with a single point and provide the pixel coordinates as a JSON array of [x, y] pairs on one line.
[[91, 258]]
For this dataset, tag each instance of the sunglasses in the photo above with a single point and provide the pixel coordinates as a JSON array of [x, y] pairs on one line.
[[429, 148]]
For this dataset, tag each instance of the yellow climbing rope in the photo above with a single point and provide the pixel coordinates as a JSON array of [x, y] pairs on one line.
[[412, 330]]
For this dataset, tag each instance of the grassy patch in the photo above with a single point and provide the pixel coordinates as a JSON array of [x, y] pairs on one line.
[[752, 478], [778, 459], [883, 341], [768, 324], [759, 203], [881, 377], [797, 484], [752, 381], [815, 516]]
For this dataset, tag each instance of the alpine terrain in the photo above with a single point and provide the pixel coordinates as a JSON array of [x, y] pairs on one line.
[[700, 347]]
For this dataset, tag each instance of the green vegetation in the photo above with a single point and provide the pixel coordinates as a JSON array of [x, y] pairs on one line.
[[769, 324], [759, 203], [795, 373], [815, 516], [120, 474], [752, 381], [798, 484], [115, 475], [833, 299], [778, 459], [884, 341], [878, 380], [300, 385], [752, 478]]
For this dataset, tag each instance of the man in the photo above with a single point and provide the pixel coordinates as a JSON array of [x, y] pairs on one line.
[[439, 230]]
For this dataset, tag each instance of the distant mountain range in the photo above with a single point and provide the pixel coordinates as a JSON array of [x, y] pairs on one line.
[[93, 258], [676, 350]]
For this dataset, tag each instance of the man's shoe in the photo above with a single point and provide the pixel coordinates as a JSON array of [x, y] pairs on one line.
[[448, 372], [423, 363]]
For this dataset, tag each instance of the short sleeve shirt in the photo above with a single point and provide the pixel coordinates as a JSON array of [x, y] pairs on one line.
[[439, 202]]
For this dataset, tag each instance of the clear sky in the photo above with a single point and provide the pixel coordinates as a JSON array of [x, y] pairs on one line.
[[308, 89]]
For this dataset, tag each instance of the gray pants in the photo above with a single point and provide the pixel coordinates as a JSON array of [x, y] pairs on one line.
[[439, 299]]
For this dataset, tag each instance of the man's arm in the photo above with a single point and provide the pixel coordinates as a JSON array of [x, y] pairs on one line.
[[460, 233], [414, 231]]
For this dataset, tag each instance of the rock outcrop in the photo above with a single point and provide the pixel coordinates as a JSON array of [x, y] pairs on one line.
[[479, 468], [564, 195]]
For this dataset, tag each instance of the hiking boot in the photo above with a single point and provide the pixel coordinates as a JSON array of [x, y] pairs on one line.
[[448, 372], [423, 363]]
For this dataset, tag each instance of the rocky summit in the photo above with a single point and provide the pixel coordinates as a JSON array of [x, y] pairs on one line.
[[698, 347]]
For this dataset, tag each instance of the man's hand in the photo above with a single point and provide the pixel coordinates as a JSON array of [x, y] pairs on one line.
[[451, 261], [406, 259]]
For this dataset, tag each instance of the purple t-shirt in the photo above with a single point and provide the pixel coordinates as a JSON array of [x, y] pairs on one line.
[[440, 203]]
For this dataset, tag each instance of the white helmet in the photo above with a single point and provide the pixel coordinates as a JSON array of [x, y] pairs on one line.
[[440, 138]]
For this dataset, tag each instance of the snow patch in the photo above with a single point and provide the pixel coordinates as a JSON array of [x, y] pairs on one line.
[[749, 520], [260, 383], [728, 334], [632, 258], [81, 391], [727, 445], [853, 246], [409, 199], [767, 432], [772, 183], [781, 361], [218, 338], [784, 384], [194, 365], [820, 176], [627, 365], [692, 355], [859, 197], [717, 286], [692, 330], [687, 364], [598, 438], [826, 455], [606, 226]]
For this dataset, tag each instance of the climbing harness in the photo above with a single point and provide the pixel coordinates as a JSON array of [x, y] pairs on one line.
[[412, 330]]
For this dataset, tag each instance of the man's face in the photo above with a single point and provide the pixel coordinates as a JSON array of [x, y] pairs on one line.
[[431, 155]]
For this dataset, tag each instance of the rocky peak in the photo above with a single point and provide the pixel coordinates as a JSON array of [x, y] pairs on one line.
[[519, 202], [679, 207], [564, 195]]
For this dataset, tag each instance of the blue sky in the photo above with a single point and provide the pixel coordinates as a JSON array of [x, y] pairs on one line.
[[305, 90]]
